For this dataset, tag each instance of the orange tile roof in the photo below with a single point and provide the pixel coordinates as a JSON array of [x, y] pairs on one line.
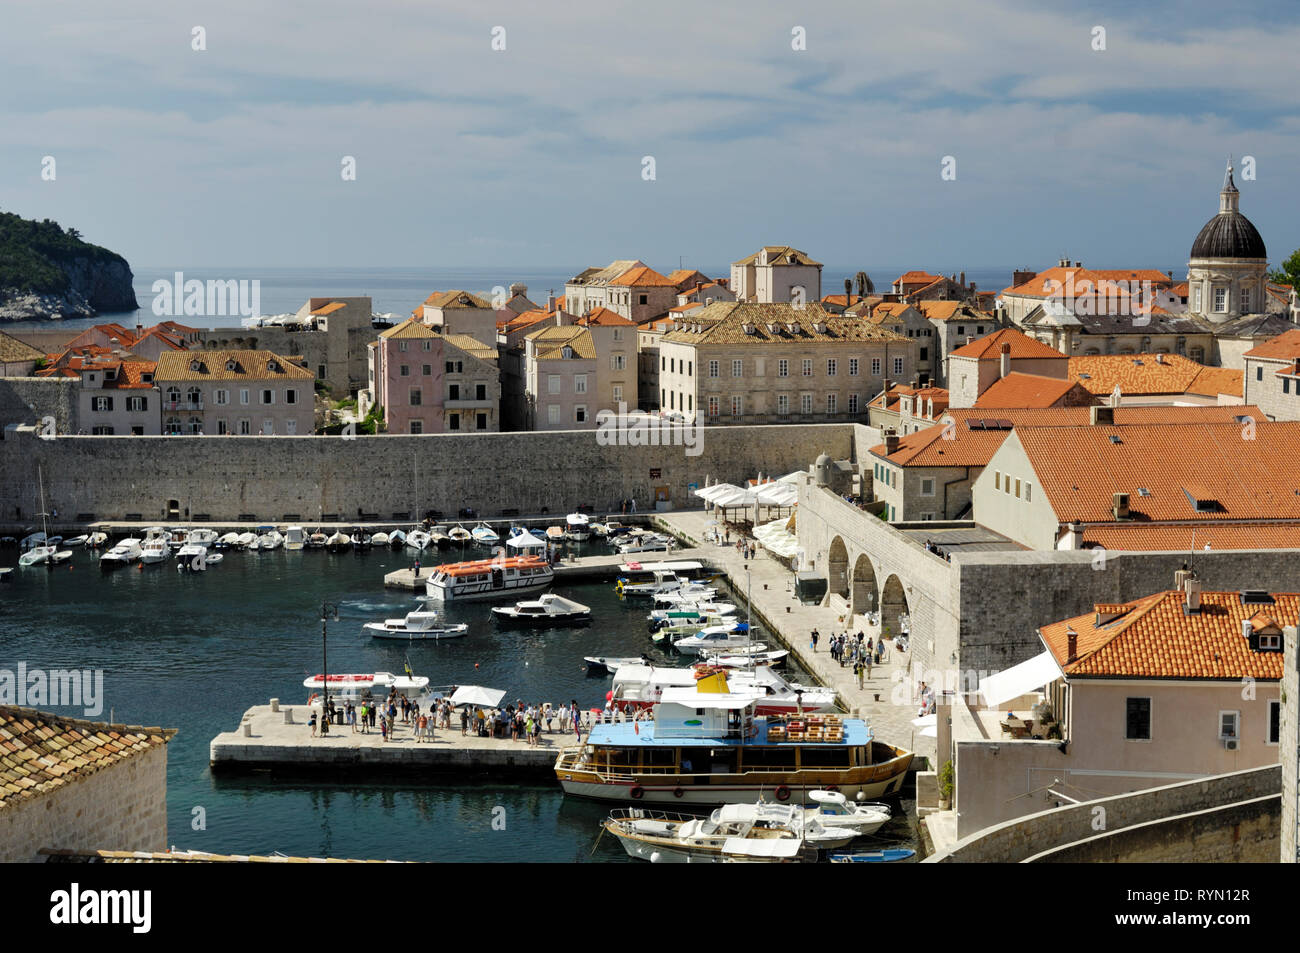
[[1284, 347], [454, 299], [916, 277], [603, 317], [1142, 374], [890, 400], [250, 365], [989, 347], [975, 447], [945, 310], [1039, 285], [643, 277], [1253, 475], [1180, 289], [410, 328], [1189, 537], [329, 308], [40, 751], [1155, 638], [1026, 390], [525, 319], [130, 375], [840, 300]]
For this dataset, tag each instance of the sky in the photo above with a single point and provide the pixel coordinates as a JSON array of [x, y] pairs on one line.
[[534, 155]]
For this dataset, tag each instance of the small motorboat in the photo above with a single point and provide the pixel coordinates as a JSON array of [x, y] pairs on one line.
[[379, 539], [418, 540], [577, 527], [96, 540], [723, 639], [317, 540], [702, 613], [731, 660], [214, 558], [338, 543], [688, 593], [361, 538], [555, 533], [246, 540], [609, 664], [891, 855], [58, 558], [32, 541], [76, 541], [548, 609], [485, 535], [438, 537], [192, 558], [460, 535], [647, 543], [270, 540], [202, 537], [155, 550], [177, 536], [418, 625], [228, 541], [124, 553], [396, 539], [295, 538], [833, 809], [38, 555]]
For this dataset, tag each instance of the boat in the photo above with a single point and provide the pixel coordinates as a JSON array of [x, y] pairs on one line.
[[124, 553], [338, 543], [891, 855], [246, 540], [661, 581], [379, 539], [733, 660], [76, 541], [438, 537], [316, 540], [727, 637], [39, 549], [155, 550], [610, 528], [361, 538], [39, 555], [295, 539], [418, 540], [705, 613], [609, 664], [835, 810], [96, 540], [202, 537], [365, 687], [270, 540], [774, 834], [396, 539], [460, 535], [485, 535], [192, 557], [705, 745], [686, 593], [549, 609], [214, 558], [577, 527], [418, 625], [488, 578], [555, 534], [33, 540], [58, 557], [647, 543], [228, 541], [639, 687], [177, 536]]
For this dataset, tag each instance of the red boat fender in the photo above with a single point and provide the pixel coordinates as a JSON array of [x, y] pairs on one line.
[[783, 793], [637, 793], [834, 788], [678, 792]]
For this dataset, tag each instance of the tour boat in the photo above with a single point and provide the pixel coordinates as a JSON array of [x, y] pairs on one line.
[[717, 638], [639, 687], [835, 810], [418, 540], [609, 664], [485, 535], [123, 554], [418, 625], [155, 550], [488, 578], [705, 745], [772, 833], [295, 538], [549, 609], [577, 527]]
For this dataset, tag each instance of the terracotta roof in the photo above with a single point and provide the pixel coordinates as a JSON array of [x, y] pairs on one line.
[[916, 278], [643, 277], [162, 334], [1026, 390], [687, 274], [13, 351], [213, 366], [948, 310], [551, 342], [989, 347], [1039, 286], [410, 328], [40, 751], [603, 317], [973, 445], [124, 336], [606, 275], [844, 301], [1235, 475], [130, 375], [1186, 537], [889, 400], [1155, 638], [1284, 347], [724, 322], [779, 255], [1180, 289], [1142, 374], [471, 346], [173, 328], [525, 319], [455, 299]]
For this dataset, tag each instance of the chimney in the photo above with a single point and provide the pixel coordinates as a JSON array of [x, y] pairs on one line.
[[970, 339], [886, 384], [1073, 535], [891, 440], [1191, 593], [550, 302], [1071, 645], [1104, 416], [1063, 263], [1160, 358], [1006, 360]]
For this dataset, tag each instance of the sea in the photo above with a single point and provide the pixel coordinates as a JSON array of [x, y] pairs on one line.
[[399, 290], [193, 651]]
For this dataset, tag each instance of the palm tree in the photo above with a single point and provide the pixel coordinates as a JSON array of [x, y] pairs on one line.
[[865, 287]]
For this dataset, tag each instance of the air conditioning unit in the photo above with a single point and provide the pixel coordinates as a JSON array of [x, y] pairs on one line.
[[1230, 744]]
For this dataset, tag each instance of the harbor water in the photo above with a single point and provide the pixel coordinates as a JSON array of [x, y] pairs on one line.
[[193, 651]]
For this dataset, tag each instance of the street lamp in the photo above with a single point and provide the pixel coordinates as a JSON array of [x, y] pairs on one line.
[[327, 609]]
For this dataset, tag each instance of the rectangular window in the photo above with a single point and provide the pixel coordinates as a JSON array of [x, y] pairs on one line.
[[618, 362], [268, 396], [103, 403], [450, 367], [291, 426], [405, 370], [807, 367], [480, 421], [783, 368], [1286, 385], [782, 404], [580, 383], [416, 397], [898, 366], [1220, 299], [997, 479], [1274, 722], [453, 421], [927, 487], [426, 369], [737, 368], [102, 431], [580, 414], [737, 405], [644, 298], [1137, 719], [875, 367], [830, 366], [1029, 493], [1228, 723], [480, 392], [713, 408], [713, 368], [1017, 489], [137, 403], [1245, 301], [245, 428], [553, 383], [1259, 372], [291, 396], [832, 403], [853, 403], [453, 392], [553, 413], [618, 334], [618, 393], [417, 426], [401, 345], [428, 346], [805, 403], [925, 354], [221, 396], [853, 367]]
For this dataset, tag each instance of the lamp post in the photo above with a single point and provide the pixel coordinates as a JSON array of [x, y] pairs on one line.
[[326, 610]]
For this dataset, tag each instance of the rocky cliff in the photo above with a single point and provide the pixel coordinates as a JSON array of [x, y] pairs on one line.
[[46, 272]]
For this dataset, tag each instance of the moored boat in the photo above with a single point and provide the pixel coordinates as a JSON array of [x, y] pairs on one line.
[[419, 625], [609, 664], [295, 538], [96, 540], [123, 553], [460, 535], [488, 579], [774, 835], [577, 527], [728, 638], [891, 855], [549, 609], [338, 543], [418, 540], [485, 535], [380, 539], [155, 550]]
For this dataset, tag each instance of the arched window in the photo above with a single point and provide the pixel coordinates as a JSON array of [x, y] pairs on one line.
[[172, 425], [173, 395], [194, 396]]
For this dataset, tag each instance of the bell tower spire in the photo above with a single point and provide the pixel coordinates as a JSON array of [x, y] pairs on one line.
[[1229, 198]]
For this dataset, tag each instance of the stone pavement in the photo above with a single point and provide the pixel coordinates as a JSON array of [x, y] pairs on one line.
[[884, 701]]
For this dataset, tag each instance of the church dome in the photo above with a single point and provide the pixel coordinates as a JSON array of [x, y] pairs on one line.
[[1229, 234]]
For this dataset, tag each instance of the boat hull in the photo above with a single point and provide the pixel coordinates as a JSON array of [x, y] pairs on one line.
[[377, 631], [483, 591]]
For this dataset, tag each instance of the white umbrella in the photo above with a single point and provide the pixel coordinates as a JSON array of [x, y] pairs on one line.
[[478, 695], [526, 540]]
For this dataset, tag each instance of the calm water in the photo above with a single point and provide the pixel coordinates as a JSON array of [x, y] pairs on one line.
[[193, 651]]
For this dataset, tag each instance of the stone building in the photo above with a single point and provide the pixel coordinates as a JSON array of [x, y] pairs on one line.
[[560, 378], [234, 392], [1272, 376], [428, 382], [732, 363], [72, 784], [459, 312], [974, 367], [590, 288], [776, 274], [17, 359], [954, 323]]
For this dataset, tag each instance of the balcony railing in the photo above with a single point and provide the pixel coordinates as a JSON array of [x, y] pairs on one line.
[[182, 405]]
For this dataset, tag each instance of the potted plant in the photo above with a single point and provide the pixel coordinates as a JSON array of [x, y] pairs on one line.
[[946, 784]]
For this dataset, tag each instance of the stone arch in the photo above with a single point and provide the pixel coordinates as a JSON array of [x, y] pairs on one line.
[[863, 586], [893, 603], [837, 569]]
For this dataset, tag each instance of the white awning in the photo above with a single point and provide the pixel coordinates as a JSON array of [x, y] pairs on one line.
[[526, 540], [478, 695], [777, 494], [1019, 679]]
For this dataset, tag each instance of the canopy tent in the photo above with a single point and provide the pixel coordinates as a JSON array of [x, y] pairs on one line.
[[776, 539], [776, 494], [1028, 676], [478, 695], [526, 540]]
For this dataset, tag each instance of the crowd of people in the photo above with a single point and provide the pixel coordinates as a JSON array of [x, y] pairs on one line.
[[518, 722], [932, 547]]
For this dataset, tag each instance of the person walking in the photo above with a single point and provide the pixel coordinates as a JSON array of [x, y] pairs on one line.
[[815, 637], [312, 722], [858, 669], [383, 728], [868, 661]]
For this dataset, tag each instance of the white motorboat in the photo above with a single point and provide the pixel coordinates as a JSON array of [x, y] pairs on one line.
[[214, 558], [76, 541], [246, 540], [338, 543], [610, 664], [270, 540], [733, 660], [96, 540], [599, 530], [192, 557], [549, 609], [703, 613], [124, 553], [418, 540], [485, 535], [685, 594], [460, 535], [295, 539], [316, 540], [61, 556], [773, 833], [361, 538], [819, 833], [832, 808], [38, 555], [577, 527], [648, 543], [438, 537], [488, 578], [661, 581], [228, 541], [177, 536], [725, 638], [379, 539], [418, 625], [640, 686], [202, 537], [397, 539], [155, 550], [555, 534]]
